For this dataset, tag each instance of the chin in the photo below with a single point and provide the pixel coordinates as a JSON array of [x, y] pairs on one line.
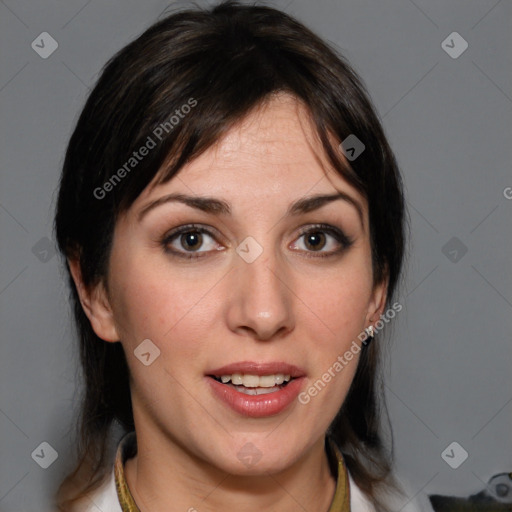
[[259, 454]]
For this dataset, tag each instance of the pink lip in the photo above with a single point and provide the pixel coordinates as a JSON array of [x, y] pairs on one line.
[[258, 369], [257, 406]]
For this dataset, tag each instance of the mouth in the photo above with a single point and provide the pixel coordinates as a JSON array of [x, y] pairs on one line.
[[251, 384], [256, 389]]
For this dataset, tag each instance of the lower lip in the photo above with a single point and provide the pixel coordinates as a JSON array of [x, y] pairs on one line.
[[257, 406]]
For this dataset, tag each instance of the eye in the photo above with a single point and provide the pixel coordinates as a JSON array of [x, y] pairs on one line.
[[323, 239], [187, 240], [194, 241]]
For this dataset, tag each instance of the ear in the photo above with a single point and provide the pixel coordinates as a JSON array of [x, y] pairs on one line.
[[377, 302], [95, 304]]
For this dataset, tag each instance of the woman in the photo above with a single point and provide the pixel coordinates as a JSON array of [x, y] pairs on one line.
[[233, 224]]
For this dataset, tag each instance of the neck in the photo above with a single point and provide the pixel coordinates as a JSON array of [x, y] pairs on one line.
[[169, 478]]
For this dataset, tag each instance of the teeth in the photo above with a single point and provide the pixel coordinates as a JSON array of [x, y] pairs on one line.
[[251, 381], [255, 381], [265, 381], [237, 379], [258, 391]]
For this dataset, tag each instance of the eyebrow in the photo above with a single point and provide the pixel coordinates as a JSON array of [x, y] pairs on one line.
[[220, 207]]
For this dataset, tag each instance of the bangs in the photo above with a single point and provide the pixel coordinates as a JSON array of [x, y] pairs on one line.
[[197, 85]]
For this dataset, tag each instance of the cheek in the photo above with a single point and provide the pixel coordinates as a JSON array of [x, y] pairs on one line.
[[340, 300], [151, 302]]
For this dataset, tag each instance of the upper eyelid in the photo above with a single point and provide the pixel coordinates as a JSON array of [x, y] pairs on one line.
[[185, 228]]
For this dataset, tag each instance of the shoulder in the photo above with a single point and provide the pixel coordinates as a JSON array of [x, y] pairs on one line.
[[106, 497], [360, 503], [103, 498]]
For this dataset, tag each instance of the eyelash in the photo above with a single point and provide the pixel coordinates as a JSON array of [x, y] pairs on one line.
[[344, 240]]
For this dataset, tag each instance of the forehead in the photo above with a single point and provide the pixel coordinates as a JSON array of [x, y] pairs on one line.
[[273, 152], [274, 132]]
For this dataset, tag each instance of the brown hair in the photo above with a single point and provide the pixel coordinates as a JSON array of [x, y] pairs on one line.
[[228, 60]]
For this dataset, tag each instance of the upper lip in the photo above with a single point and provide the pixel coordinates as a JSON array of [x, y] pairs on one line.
[[253, 368]]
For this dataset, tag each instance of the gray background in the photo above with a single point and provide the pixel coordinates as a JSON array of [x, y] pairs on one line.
[[449, 122]]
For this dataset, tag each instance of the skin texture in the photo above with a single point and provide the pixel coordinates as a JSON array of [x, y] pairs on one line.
[[218, 309]]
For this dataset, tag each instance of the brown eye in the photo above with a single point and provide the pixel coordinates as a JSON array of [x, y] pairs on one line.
[[322, 240], [314, 240], [192, 240]]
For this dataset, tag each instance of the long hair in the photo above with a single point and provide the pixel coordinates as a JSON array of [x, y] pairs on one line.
[[222, 62]]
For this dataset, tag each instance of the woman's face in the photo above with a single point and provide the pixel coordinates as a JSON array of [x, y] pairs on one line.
[[254, 285]]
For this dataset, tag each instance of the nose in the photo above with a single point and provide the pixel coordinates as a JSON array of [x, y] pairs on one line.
[[260, 304]]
